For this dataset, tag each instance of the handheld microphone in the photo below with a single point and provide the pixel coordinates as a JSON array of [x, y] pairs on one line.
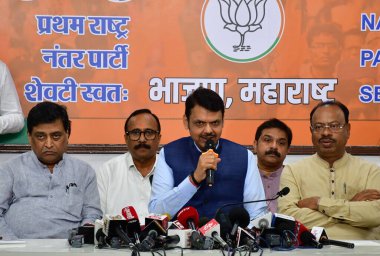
[[281, 193], [188, 217], [133, 223], [210, 172]]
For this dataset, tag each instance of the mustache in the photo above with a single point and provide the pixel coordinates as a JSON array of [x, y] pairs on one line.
[[142, 145], [273, 152], [326, 137]]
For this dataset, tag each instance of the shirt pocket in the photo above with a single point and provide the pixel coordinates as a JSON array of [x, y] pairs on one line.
[[73, 201]]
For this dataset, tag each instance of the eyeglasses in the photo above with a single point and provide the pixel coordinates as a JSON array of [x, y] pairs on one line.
[[148, 134], [334, 127]]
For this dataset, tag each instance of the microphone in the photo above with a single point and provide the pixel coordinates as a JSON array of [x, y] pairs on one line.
[[212, 229], [148, 243], [281, 193], [239, 217], [133, 223], [210, 172], [162, 219], [188, 217], [324, 240], [308, 239], [321, 236]]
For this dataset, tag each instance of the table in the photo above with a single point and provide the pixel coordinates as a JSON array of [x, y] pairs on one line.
[[57, 247]]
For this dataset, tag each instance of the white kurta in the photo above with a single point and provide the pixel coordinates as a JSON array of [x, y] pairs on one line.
[[121, 184]]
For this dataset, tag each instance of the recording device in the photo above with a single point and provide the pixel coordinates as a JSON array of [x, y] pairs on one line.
[[114, 232], [133, 223], [188, 217], [81, 235], [321, 236], [210, 172], [74, 239], [184, 238]]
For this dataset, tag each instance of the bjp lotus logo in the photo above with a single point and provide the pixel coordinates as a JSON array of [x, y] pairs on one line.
[[242, 30]]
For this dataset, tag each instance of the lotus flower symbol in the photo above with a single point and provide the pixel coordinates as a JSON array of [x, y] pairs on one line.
[[242, 16]]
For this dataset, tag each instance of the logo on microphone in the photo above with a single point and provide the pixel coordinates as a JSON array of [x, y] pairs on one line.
[[242, 30]]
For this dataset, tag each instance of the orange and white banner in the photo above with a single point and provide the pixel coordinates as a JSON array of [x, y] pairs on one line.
[[104, 59]]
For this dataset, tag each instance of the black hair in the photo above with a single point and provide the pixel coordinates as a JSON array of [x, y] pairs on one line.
[[275, 123], [339, 104], [205, 98], [142, 111], [48, 112]]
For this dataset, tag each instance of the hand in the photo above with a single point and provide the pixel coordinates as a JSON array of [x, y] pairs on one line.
[[367, 195], [207, 160], [311, 203]]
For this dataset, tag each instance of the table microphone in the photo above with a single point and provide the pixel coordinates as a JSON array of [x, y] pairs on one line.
[[326, 241], [281, 193]]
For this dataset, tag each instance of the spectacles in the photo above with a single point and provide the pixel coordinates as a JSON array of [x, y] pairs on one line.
[[334, 127], [148, 134]]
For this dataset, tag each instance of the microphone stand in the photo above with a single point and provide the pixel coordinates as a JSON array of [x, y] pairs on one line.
[[248, 202]]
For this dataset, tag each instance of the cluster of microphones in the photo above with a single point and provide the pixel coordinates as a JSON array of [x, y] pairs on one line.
[[232, 231]]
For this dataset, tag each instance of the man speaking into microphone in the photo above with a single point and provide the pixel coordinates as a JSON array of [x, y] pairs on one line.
[[184, 165]]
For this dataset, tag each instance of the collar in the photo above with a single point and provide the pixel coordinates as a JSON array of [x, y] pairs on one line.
[[337, 164]]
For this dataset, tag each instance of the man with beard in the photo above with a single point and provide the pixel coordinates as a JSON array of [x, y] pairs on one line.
[[180, 177], [332, 188], [271, 145], [125, 180]]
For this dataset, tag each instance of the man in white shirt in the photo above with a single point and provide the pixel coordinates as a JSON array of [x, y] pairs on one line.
[[125, 180], [11, 117]]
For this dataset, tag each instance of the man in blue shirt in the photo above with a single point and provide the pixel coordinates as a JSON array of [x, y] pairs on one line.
[[180, 174], [44, 193]]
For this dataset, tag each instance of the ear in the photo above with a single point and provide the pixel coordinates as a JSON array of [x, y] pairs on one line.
[[125, 138], [185, 122], [30, 138], [348, 130], [255, 146]]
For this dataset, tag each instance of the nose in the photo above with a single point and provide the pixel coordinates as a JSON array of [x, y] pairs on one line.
[[49, 142], [208, 128], [326, 130], [142, 137]]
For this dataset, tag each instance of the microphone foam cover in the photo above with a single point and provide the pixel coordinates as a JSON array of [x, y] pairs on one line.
[[188, 213], [285, 191], [239, 215], [209, 145]]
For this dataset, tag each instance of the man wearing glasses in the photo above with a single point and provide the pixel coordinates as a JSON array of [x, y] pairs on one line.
[[333, 189], [125, 180]]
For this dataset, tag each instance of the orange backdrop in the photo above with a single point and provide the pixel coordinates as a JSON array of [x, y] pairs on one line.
[[165, 41]]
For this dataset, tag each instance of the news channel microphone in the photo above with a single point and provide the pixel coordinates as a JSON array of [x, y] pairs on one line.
[[133, 223], [188, 217], [212, 229], [210, 172]]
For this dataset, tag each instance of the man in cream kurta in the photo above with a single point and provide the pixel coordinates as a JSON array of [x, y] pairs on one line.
[[332, 188], [125, 180]]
